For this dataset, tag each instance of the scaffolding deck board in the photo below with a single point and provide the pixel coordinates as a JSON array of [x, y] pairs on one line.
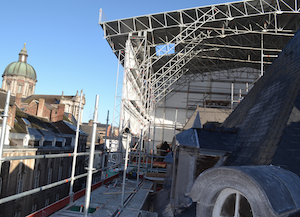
[[134, 206], [107, 201]]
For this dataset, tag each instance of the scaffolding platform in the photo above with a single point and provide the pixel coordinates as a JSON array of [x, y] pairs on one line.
[[106, 201]]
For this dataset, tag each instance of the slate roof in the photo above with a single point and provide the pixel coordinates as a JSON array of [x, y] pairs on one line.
[[3, 94], [264, 128], [51, 99], [89, 130], [38, 126], [68, 128], [269, 117], [221, 139]]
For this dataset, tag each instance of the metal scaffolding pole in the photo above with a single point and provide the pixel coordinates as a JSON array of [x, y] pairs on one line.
[[125, 170], [187, 103], [153, 138], [262, 55], [176, 113], [117, 93], [42, 188], [109, 145], [163, 125], [43, 156], [231, 99], [104, 148], [91, 160], [75, 149], [4, 121], [139, 163]]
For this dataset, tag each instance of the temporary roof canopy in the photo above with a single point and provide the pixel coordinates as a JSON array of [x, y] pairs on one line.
[[230, 42]]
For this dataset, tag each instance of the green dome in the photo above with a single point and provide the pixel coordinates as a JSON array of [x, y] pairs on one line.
[[20, 68]]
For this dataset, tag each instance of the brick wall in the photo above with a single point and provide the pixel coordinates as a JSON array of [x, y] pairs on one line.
[[58, 114], [18, 99], [46, 113], [11, 116], [41, 106], [31, 108]]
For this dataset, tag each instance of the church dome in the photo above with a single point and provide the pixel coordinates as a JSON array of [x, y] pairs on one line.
[[21, 67]]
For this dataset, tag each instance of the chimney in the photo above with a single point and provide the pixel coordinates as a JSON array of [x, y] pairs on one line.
[[12, 115], [53, 115], [18, 99], [60, 112], [40, 107]]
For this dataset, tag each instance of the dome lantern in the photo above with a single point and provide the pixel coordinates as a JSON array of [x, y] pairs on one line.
[[23, 54]]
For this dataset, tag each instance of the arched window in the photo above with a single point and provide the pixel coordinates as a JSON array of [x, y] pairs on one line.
[[8, 85], [231, 202], [29, 90], [17, 212], [47, 201], [20, 182], [34, 205], [70, 170], [19, 89], [37, 175], [49, 177], [57, 196]]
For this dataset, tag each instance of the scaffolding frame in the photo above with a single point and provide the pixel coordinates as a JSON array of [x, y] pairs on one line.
[[229, 42]]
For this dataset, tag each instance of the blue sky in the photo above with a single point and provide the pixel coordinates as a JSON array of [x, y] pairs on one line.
[[66, 47]]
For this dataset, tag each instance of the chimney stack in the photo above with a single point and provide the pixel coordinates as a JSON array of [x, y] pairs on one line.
[[40, 107], [18, 99]]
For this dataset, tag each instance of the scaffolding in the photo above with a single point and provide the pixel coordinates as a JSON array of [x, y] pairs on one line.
[[162, 55]]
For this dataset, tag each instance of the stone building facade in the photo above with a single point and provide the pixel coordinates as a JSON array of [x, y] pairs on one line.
[[20, 78], [37, 125], [32, 135]]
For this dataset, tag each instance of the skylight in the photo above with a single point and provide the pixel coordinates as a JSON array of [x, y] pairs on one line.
[[165, 49]]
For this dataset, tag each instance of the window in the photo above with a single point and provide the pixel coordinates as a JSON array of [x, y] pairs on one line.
[[57, 197], [231, 202], [70, 170], [29, 91], [17, 214], [49, 178], [8, 85], [20, 182], [60, 169], [19, 89], [34, 206], [37, 175], [47, 201]]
